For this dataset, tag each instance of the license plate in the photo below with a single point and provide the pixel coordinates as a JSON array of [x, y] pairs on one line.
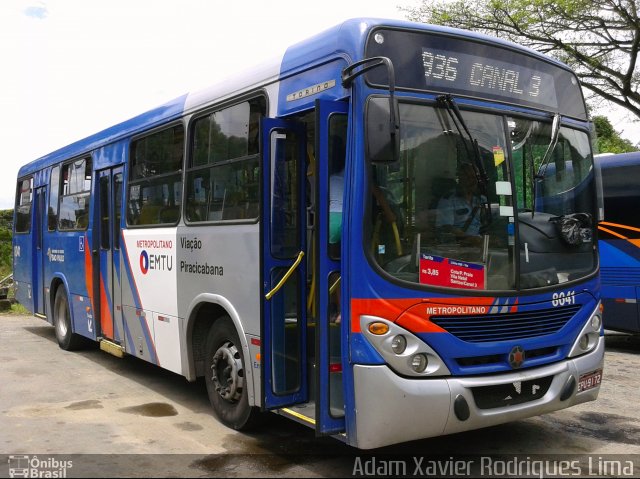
[[590, 380]]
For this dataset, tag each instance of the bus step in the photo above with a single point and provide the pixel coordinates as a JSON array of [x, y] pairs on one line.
[[112, 348], [302, 413]]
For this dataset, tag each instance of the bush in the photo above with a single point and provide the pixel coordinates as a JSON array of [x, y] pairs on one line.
[[6, 250]]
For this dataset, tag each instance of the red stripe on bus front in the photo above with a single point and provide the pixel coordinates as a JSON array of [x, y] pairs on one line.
[[413, 313], [417, 323], [388, 309]]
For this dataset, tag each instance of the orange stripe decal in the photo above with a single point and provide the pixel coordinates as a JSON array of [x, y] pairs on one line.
[[88, 272], [606, 230], [106, 323], [617, 225]]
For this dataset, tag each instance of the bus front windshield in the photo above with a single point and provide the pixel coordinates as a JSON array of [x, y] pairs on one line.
[[485, 207]]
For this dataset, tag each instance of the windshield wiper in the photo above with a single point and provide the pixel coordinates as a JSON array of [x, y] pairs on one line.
[[542, 170], [451, 106]]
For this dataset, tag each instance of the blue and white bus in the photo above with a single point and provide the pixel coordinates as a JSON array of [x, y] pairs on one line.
[[619, 241], [299, 236]]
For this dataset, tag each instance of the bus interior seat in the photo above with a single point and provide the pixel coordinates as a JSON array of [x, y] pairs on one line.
[[169, 214], [149, 214], [82, 220]]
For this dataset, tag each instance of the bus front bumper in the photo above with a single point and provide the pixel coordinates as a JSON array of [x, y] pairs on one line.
[[392, 409]]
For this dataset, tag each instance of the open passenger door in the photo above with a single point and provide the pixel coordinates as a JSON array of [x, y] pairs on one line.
[[302, 334], [284, 315], [331, 134]]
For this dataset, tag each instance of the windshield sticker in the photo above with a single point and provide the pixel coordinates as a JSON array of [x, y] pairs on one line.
[[506, 211], [498, 155], [503, 188]]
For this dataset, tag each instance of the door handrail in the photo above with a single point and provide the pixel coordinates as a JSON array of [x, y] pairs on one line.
[[286, 276]]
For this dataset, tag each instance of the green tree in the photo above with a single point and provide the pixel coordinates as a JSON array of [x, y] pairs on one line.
[[609, 140], [6, 250], [599, 39]]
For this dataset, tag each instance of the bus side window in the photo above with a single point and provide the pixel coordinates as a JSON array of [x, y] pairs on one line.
[[76, 195], [24, 198], [155, 192], [54, 192], [337, 154], [223, 168]]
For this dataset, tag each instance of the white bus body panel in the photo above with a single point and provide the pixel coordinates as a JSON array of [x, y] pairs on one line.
[[151, 299], [171, 267]]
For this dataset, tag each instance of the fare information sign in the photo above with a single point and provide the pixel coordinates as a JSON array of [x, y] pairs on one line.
[[450, 273]]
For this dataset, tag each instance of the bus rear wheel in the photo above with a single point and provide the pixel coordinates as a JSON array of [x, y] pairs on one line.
[[225, 377], [67, 339]]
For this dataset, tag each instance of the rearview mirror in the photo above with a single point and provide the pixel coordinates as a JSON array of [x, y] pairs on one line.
[[383, 130]]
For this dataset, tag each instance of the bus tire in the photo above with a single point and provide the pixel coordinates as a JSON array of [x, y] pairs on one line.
[[67, 339], [225, 377]]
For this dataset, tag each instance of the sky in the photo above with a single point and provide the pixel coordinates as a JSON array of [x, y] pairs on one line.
[[70, 68]]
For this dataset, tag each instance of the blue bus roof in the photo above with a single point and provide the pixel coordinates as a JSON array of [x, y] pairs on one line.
[[350, 38], [159, 115], [620, 159], [346, 39]]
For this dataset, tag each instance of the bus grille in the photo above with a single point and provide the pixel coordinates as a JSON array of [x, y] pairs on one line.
[[629, 276], [506, 326]]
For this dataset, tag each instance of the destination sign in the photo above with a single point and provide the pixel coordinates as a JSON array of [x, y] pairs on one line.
[[473, 74], [474, 67]]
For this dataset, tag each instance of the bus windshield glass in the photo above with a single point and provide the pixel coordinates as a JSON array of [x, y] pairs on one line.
[[455, 215], [449, 64]]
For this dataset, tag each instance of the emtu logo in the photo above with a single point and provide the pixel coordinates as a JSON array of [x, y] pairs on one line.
[[144, 262], [156, 262]]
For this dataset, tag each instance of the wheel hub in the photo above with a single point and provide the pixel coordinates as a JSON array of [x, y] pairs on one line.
[[227, 373]]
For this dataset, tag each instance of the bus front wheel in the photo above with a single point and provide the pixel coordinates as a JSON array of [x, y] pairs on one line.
[[225, 377], [67, 339]]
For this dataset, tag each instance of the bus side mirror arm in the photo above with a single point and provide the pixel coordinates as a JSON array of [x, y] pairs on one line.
[[349, 74]]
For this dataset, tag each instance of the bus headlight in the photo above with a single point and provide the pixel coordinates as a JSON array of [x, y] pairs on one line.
[[399, 344], [584, 342], [419, 363], [589, 336], [403, 351]]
